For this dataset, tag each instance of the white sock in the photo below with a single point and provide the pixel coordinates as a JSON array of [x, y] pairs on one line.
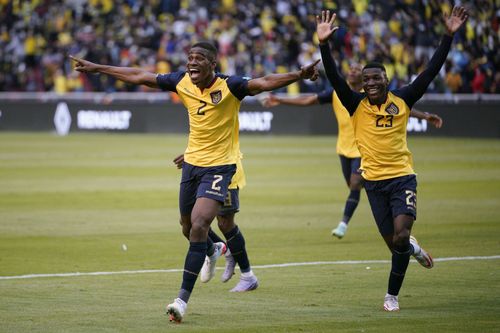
[[247, 274], [416, 248]]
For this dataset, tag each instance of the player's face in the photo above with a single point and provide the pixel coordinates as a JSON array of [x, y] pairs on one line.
[[200, 66], [375, 84], [354, 75]]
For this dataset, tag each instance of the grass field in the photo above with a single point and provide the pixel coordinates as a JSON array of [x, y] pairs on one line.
[[67, 204]]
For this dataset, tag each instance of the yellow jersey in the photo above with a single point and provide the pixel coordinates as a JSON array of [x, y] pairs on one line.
[[380, 133], [213, 116], [346, 144], [238, 180]]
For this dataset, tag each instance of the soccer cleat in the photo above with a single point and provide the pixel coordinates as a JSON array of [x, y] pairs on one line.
[[208, 269], [246, 284], [176, 310], [340, 231], [230, 265], [422, 256], [391, 303]]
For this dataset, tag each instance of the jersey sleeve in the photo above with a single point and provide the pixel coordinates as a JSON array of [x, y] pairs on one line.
[[168, 82], [414, 91], [326, 96], [238, 86], [349, 98]]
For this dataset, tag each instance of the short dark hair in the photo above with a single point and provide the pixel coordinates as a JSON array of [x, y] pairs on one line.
[[374, 65], [207, 46]]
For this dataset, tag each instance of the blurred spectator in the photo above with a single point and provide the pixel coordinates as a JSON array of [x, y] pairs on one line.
[[254, 38]]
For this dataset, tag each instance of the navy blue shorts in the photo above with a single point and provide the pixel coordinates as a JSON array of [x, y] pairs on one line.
[[392, 197], [206, 182], [231, 203], [350, 166]]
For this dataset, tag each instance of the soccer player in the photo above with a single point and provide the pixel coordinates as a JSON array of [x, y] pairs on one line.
[[379, 120], [235, 241], [350, 158], [212, 101]]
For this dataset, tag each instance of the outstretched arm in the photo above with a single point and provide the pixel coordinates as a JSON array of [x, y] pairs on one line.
[[452, 22], [276, 81], [274, 100], [126, 74], [434, 119], [324, 29]]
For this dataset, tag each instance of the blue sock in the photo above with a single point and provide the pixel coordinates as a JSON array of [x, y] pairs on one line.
[[192, 266], [236, 244], [214, 237], [210, 246], [400, 260], [351, 205]]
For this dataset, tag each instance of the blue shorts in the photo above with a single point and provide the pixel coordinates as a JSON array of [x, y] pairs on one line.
[[350, 166], [231, 203], [392, 197], [206, 182]]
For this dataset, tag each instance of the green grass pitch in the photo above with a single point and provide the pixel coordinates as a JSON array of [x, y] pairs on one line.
[[67, 204]]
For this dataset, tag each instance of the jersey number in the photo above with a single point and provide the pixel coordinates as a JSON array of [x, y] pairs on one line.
[[384, 121], [203, 104], [411, 198], [217, 179]]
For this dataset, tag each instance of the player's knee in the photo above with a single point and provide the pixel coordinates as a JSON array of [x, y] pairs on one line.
[[401, 239]]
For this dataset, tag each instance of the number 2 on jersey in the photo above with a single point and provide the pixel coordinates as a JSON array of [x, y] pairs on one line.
[[203, 104]]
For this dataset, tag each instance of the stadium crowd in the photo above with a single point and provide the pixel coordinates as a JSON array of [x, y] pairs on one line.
[[253, 37]]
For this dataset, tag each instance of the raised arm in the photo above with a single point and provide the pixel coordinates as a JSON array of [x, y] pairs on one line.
[[324, 29], [274, 100], [126, 74], [276, 81], [418, 87], [434, 119]]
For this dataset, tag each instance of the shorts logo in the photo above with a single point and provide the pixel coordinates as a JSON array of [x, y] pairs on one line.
[[392, 109], [216, 96]]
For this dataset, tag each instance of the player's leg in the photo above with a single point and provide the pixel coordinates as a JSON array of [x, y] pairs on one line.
[[402, 191], [400, 258], [212, 187], [350, 167], [236, 244], [380, 204]]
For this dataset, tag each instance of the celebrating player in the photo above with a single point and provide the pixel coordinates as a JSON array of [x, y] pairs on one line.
[[350, 158], [212, 101], [379, 120]]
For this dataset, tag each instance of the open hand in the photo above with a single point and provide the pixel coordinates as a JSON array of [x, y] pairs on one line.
[[435, 120], [271, 101], [324, 25], [457, 18]]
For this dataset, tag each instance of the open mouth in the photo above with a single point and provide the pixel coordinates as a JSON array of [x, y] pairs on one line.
[[193, 72]]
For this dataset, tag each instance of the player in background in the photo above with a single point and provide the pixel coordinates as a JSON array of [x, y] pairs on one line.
[[350, 158], [212, 101], [379, 120], [235, 241]]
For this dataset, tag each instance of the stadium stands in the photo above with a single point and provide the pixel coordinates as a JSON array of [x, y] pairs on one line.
[[253, 37]]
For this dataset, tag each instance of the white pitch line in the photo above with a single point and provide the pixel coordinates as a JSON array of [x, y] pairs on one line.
[[291, 264]]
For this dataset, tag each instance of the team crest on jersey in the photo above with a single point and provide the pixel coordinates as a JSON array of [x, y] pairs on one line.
[[216, 96], [392, 109]]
